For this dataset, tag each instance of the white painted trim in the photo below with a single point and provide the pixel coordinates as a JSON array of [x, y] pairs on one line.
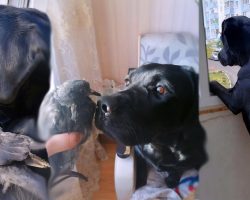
[[206, 98]]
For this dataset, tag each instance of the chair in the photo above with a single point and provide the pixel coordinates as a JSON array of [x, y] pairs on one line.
[[163, 48]]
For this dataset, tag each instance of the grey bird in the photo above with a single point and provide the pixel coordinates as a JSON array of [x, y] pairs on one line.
[[67, 108], [15, 176]]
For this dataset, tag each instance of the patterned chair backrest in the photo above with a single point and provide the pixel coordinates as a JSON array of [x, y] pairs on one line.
[[169, 48]]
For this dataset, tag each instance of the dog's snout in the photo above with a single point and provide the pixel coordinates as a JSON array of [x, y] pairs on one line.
[[105, 109]]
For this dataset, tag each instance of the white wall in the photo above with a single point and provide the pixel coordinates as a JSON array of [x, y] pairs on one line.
[[119, 22], [227, 173]]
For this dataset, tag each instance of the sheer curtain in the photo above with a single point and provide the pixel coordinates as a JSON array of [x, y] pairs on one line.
[[75, 53], [74, 56]]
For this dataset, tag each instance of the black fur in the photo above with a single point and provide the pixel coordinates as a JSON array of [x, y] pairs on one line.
[[24, 79], [24, 66], [160, 126], [236, 51]]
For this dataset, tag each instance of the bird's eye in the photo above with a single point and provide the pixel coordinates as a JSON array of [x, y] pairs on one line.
[[161, 90]]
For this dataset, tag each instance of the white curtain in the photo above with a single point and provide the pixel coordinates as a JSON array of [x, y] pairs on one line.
[[74, 56]]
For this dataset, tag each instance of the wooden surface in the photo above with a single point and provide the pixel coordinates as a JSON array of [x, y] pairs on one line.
[[213, 109], [107, 189]]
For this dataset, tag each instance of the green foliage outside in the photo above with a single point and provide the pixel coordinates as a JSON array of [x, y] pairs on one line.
[[221, 77], [209, 50], [219, 44], [212, 46]]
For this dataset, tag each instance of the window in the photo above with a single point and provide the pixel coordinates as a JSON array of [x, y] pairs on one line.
[[19, 3], [229, 4], [16, 3], [210, 49]]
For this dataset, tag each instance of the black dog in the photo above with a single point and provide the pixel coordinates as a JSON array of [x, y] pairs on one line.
[[24, 67], [24, 81], [236, 51], [158, 114]]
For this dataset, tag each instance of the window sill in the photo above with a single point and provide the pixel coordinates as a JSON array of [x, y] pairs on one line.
[[212, 109]]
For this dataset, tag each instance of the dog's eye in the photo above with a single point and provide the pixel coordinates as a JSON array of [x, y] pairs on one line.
[[127, 82], [161, 90]]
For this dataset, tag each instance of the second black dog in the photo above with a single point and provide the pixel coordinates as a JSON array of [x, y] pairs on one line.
[[158, 114], [236, 51]]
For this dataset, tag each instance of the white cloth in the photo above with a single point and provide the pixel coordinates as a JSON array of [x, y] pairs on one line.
[[156, 187]]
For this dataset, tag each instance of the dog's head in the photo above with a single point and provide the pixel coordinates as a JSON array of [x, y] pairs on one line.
[[24, 61], [158, 99], [235, 39]]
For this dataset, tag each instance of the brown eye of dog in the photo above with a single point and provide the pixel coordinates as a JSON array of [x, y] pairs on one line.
[[161, 90]]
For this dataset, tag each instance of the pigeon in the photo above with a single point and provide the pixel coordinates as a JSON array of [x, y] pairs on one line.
[[15, 156], [68, 108]]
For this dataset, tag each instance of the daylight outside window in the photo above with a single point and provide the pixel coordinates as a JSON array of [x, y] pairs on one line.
[[215, 11]]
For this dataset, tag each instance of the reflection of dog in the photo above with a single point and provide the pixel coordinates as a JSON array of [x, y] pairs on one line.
[[158, 113], [236, 51]]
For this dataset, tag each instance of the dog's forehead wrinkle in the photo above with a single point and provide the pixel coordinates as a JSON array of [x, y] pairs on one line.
[[144, 76], [150, 77]]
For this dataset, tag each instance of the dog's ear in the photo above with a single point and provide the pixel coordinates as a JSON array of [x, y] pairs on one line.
[[236, 31], [231, 31], [192, 73], [194, 77]]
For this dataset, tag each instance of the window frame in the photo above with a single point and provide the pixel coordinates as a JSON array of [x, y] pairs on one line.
[[207, 100]]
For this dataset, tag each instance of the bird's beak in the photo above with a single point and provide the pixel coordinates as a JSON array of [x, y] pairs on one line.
[[93, 92]]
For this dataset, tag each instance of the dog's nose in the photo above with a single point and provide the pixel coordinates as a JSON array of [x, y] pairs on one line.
[[105, 108], [108, 104]]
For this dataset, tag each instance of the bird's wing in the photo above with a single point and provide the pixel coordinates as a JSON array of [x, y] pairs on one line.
[[23, 177], [13, 147]]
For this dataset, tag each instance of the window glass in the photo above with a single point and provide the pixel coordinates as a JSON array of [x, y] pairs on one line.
[[214, 12]]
